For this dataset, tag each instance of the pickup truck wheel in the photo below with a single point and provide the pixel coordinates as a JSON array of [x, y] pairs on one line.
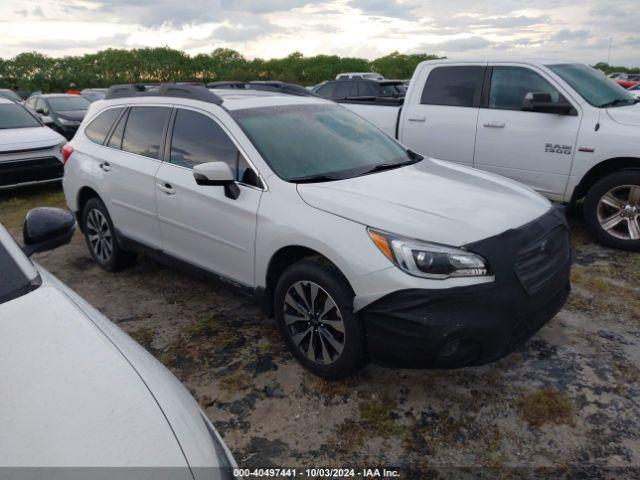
[[612, 210], [313, 308], [100, 237]]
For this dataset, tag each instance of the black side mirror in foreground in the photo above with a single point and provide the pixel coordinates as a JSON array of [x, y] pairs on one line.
[[46, 228], [543, 103]]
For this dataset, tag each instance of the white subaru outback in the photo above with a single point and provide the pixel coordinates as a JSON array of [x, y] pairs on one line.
[[360, 248]]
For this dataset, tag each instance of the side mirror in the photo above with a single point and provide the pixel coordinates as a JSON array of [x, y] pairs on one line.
[[40, 111], [46, 119], [217, 174], [543, 103], [46, 228]]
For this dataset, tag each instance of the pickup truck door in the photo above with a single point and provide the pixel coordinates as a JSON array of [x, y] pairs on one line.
[[534, 148], [200, 224], [439, 116]]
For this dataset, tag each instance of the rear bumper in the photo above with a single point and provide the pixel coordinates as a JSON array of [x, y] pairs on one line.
[[473, 325]]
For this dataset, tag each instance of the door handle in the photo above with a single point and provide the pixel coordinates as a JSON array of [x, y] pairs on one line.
[[418, 118], [166, 188], [495, 124], [105, 166]]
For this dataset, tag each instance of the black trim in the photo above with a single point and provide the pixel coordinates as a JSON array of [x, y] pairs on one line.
[[486, 88], [107, 137], [161, 256]]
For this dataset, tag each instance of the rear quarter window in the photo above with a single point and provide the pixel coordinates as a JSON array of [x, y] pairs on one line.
[[144, 130], [99, 127], [456, 86]]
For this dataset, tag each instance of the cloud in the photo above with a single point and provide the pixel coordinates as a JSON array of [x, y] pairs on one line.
[[566, 34], [386, 8]]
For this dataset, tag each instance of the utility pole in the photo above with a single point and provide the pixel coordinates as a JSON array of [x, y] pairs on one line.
[[609, 56]]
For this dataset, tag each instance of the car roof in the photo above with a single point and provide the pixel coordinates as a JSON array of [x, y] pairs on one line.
[[233, 99], [4, 100]]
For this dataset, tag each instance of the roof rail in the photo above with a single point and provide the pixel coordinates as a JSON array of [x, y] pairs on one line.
[[268, 86], [175, 90]]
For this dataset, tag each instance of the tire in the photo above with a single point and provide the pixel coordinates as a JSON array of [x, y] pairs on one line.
[[612, 210], [338, 346], [100, 237]]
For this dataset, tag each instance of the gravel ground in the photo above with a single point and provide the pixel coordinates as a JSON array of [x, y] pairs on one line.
[[566, 404]]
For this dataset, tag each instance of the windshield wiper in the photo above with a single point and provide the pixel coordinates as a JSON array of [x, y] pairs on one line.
[[315, 179], [617, 102], [414, 158]]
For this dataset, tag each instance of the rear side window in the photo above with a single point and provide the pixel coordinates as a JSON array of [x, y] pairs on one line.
[[510, 85], [454, 86], [99, 127], [144, 129], [197, 139], [344, 90]]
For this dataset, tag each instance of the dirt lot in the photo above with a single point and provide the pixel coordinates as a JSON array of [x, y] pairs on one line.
[[568, 401]]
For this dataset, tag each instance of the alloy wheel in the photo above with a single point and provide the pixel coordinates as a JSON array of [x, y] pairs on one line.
[[619, 212], [314, 322], [99, 235]]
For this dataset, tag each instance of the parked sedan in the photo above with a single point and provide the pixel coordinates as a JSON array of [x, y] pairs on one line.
[[77, 392], [29, 151], [61, 112]]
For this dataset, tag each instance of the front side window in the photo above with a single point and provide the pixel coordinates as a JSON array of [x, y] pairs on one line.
[[319, 142], [510, 85], [68, 104], [594, 87], [17, 273], [144, 130], [457, 86], [16, 116], [99, 127]]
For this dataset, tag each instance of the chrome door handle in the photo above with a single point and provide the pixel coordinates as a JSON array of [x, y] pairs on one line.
[[105, 166], [166, 188], [495, 124], [418, 118]]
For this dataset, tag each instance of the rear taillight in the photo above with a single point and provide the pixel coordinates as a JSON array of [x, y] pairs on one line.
[[67, 150]]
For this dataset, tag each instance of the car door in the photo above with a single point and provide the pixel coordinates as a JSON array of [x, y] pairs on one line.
[[532, 147], [136, 148], [200, 224], [441, 123]]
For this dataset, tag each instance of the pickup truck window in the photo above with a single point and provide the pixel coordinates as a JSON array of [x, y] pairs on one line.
[[594, 87], [510, 85], [456, 86], [318, 142]]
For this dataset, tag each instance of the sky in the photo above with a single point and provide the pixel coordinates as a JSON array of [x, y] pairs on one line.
[[580, 30]]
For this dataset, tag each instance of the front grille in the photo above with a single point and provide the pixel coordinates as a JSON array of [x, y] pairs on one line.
[[539, 262], [34, 170]]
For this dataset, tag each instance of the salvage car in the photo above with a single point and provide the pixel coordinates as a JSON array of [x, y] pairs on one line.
[[564, 129], [361, 249], [60, 111], [30, 153], [77, 392]]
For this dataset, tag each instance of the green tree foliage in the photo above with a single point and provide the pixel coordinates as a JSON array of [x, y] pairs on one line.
[[606, 68], [35, 71]]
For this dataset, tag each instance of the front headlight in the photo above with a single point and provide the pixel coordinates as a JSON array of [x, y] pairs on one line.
[[429, 260]]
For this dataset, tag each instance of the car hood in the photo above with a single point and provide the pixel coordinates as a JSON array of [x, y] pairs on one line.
[[629, 115], [69, 396], [433, 200], [27, 138], [76, 115]]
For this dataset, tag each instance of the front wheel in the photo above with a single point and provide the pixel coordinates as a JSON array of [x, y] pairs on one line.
[[612, 210], [314, 311]]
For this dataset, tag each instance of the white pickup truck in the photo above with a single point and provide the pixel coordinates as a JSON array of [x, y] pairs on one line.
[[562, 128]]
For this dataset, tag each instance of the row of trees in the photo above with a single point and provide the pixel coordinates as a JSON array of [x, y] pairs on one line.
[[606, 68], [35, 71]]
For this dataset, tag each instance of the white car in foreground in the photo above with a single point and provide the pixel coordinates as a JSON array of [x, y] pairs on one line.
[[30, 152], [361, 248], [80, 398]]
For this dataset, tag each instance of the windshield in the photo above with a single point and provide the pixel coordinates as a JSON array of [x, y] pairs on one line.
[[17, 274], [68, 104], [308, 142], [11, 95], [393, 89], [16, 116], [594, 87]]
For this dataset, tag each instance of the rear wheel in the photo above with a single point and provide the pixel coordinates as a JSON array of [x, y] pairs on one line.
[[100, 237], [313, 308], [612, 210]]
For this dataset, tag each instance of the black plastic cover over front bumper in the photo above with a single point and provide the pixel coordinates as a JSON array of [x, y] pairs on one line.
[[463, 326]]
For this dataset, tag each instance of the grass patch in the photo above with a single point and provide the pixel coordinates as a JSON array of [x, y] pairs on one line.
[[546, 406], [378, 416], [144, 336], [14, 204]]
